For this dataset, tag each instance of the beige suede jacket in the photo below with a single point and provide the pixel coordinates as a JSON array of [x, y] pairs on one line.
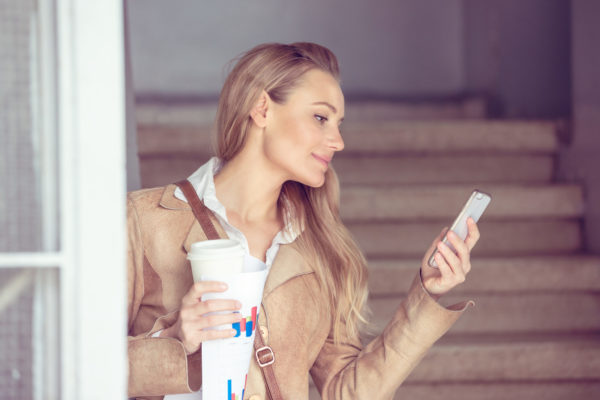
[[292, 320]]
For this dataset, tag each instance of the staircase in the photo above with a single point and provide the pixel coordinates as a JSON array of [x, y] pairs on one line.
[[535, 330]]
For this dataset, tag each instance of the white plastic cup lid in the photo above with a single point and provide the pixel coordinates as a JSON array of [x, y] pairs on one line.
[[215, 249]]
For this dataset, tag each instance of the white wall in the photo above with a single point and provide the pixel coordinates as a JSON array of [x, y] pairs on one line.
[[385, 47]]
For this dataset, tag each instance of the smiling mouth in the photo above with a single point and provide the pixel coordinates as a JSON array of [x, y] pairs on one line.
[[324, 162]]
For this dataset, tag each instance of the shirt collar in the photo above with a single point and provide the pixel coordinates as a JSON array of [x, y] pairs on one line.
[[203, 182]]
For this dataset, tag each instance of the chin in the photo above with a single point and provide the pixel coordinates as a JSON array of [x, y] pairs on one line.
[[315, 182]]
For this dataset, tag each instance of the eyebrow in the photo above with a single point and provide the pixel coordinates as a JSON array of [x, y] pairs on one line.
[[324, 103]]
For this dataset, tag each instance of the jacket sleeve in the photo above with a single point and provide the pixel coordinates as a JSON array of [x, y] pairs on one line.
[[347, 371], [157, 366]]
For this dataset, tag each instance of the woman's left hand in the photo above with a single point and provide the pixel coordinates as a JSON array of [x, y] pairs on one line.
[[452, 268]]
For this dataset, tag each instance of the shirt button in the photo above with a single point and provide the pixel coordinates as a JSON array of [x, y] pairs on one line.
[[264, 332], [254, 397]]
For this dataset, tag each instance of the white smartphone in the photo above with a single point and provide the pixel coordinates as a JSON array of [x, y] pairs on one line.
[[474, 207]]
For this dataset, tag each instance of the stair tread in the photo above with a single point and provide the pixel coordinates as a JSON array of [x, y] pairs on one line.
[[400, 137], [203, 112], [363, 202], [497, 274], [508, 237], [519, 360], [510, 312], [162, 168]]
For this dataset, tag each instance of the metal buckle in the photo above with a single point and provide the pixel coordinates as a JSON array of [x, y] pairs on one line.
[[271, 361]]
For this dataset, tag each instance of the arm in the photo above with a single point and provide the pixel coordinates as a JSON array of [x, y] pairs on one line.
[[156, 365], [344, 371]]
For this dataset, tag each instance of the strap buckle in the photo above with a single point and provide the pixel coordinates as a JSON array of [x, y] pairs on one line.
[[267, 353]]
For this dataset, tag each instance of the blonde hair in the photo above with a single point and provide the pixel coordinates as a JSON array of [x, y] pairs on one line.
[[325, 242]]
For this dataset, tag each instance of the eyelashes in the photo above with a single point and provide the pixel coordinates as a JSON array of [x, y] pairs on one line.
[[321, 119]]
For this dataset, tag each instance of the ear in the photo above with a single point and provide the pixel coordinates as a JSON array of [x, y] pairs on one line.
[[259, 111]]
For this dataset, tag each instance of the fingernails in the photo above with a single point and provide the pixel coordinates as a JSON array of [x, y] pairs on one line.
[[238, 304], [223, 286]]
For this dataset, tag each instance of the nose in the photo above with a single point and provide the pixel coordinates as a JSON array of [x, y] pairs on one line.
[[336, 143]]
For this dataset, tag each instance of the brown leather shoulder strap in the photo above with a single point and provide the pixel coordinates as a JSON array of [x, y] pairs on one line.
[[264, 354], [199, 209], [265, 358]]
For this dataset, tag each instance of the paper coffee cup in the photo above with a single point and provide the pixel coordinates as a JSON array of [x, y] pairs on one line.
[[221, 257]]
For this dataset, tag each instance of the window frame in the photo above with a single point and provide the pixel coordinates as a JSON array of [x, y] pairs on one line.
[[78, 104]]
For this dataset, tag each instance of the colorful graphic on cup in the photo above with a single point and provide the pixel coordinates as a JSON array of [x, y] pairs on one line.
[[233, 396], [246, 324]]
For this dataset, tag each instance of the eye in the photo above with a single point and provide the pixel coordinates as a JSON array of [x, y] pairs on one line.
[[320, 118]]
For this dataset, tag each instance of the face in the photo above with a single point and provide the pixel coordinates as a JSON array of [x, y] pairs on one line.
[[302, 135]]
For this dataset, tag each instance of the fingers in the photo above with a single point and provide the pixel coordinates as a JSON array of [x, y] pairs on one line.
[[445, 270], [197, 325], [200, 288], [473, 235], [435, 241], [194, 332], [450, 274], [216, 334], [196, 311], [448, 255], [460, 262], [452, 259], [208, 321], [212, 321]]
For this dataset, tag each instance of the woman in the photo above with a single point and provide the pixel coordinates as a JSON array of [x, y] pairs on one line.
[[272, 187]]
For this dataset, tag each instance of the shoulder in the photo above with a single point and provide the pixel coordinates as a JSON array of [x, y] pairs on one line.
[[154, 205], [146, 196]]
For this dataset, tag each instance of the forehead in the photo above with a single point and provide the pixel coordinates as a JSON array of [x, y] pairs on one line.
[[317, 85]]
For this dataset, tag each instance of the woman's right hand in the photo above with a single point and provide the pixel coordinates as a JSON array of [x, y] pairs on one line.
[[192, 325]]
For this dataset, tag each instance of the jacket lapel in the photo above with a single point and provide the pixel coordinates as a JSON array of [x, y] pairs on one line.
[[169, 201], [287, 265]]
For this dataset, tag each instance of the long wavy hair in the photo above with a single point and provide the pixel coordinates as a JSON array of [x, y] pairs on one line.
[[325, 242]]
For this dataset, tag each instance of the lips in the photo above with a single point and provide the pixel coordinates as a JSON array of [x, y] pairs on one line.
[[324, 160]]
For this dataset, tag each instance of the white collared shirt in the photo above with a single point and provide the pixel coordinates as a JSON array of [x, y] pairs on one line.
[[203, 181]]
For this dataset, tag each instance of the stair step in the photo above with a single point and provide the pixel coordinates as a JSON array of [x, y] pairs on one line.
[[472, 107], [498, 238], [497, 275], [160, 169], [451, 136], [512, 366], [407, 168], [406, 137], [573, 390], [418, 202], [203, 112], [511, 312], [540, 358]]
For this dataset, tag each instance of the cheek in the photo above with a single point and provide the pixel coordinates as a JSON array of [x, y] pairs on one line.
[[292, 141]]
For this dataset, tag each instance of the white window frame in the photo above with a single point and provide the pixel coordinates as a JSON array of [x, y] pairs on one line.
[[81, 116]]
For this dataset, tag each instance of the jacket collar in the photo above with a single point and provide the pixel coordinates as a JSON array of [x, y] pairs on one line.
[[168, 199], [288, 262]]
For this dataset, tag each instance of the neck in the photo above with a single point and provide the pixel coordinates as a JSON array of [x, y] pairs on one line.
[[249, 187]]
